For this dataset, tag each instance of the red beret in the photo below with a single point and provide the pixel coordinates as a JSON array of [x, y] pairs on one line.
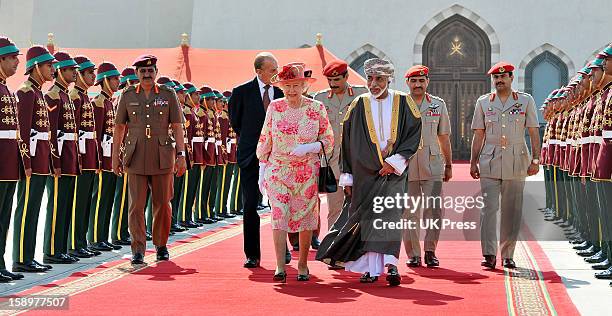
[[417, 70], [500, 68], [334, 68], [145, 61]]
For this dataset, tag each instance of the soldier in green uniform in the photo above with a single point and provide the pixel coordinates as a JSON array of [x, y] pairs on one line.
[[431, 165], [501, 161], [90, 159], [39, 157], [64, 136], [120, 235], [205, 214], [107, 77], [145, 112], [11, 170]]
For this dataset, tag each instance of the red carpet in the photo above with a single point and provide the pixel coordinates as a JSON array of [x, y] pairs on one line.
[[205, 277]]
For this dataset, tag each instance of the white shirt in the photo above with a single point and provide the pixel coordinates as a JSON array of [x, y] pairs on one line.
[[262, 89], [381, 109]]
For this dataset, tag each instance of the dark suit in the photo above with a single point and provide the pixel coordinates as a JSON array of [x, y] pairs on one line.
[[247, 114]]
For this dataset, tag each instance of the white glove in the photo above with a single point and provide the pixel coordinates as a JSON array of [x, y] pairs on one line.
[[303, 149], [260, 181]]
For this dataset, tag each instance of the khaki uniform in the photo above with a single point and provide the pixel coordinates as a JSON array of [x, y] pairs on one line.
[[149, 158], [336, 110], [504, 159], [426, 171]]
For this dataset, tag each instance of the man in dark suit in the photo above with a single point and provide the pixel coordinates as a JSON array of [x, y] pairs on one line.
[[247, 111]]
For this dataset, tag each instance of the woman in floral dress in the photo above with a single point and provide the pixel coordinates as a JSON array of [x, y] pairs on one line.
[[295, 130]]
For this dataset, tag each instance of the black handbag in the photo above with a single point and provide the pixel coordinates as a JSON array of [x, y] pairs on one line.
[[327, 179]]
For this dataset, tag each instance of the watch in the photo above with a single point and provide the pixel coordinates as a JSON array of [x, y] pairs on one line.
[[535, 161]]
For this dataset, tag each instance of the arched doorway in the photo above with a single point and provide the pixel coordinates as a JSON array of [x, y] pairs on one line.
[[543, 74], [357, 64], [458, 54]]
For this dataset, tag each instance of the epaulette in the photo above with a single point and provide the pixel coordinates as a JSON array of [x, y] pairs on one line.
[[99, 100], [433, 97], [74, 94], [411, 104], [322, 92], [164, 87], [187, 110], [129, 88], [53, 93], [26, 86]]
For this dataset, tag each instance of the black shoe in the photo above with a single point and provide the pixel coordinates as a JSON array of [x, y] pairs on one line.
[[508, 263], [414, 262], [205, 221], [604, 275], [81, 253], [176, 228], [315, 243], [251, 263], [30, 266], [100, 246], [137, 258], [582, 246], [587, 252], [431, 260], [189, 224], [14, 276], [5, 278], [115, 247], [240, 212], [122, 242], [93, 252], [227, 215], [47, 266], [287, 256], [162, 253], [261, 207], [366, 278], [488, 262], [596, 258], [393, 276], [576, 241], [335, 267], [280, 277], [57, 259], [304, 277], [149, 236], [604, 265], [73, 258], [217, 218]]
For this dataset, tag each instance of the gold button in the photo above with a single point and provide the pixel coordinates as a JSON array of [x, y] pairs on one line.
[[147, 105], [129, 142], [503, 115], [160, 112], [148, 125], [503, 125], [133, 113], [340, 112], [147, 115]]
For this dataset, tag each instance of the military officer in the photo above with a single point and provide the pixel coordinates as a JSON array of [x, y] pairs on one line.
[[120, 234], [501, 161], [107, 77], [428, 167], [64, 136], [39, 155], [90, 159], [147, 110], [337, 100], [12, 166], [209, 180]]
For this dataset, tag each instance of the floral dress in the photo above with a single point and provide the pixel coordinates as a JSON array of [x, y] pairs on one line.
[[292, 181]]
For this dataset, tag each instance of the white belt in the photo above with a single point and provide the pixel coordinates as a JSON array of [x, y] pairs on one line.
[[554, 142], [87, 135], [545, 145], [40, 136], [107, 144], [210, 140], [597, 139], [607, 134], [569, 141], [8, 134], [34, 140], [197, 139], [562, 143], [68, 136]]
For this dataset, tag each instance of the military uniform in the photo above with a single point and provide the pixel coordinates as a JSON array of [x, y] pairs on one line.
[[337, 107], [104, 188], [425, 173], [120, 234], [207, 192], [64, 136], [504, 160], [12, 167], [149, 157], [234, 192], [38, 154], [90, 163], [224, 175]]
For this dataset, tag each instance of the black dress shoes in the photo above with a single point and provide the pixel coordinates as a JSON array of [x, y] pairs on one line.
[[115, 247], [587, 252], [100, 246], [604, 265], [30, 266], [431, 260], [162, 253], [47, 266], [122, 242], [227, 215], [149, 236], [189, 224], [176, 228], [596, 258], [287, 256], [93, 252], [81, 253], [5, 278], [414, 262], [582, 246], [508, 263], [240, 212], [14, 276], [251, 263], [393, 276], [205, 221], [137, 258], [604, 275], [58, 259], [315, 243], [488, 262]]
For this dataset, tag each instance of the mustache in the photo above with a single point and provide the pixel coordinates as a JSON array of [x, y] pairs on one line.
[[334, 87]]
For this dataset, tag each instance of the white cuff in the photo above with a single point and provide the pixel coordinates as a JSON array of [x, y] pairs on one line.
[[398, 162], [346, 180]]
